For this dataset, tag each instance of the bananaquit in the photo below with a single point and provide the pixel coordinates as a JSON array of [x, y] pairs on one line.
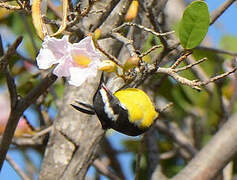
[[128, 111]]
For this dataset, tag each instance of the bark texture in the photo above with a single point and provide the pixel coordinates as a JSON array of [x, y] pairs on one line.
[[75, 138]]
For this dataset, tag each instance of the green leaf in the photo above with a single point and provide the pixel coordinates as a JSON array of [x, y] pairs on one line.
[[194, 24]]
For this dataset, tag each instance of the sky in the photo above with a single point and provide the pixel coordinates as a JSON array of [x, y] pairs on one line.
[[224, 25]]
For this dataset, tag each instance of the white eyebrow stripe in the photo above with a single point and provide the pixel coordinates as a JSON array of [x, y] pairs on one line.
[[108, 110]]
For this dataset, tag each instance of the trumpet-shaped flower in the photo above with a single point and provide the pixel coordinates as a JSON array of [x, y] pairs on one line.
[[77, 61]]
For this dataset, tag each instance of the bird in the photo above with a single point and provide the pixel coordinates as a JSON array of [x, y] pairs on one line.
[[128, 111]]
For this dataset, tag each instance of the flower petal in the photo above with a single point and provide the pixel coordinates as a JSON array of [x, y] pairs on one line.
[[80, 75], [62, 69], [53, 51], [93, 55], [45, 59], [58, 47], [85, 43]]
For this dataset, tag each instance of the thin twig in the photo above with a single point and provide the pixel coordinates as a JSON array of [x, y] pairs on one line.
[[169, 154], [203, 83], [177, 77], [190, 65], [113, 158], [178, 61], [172, 130], [216, 50], [200, 73], [150, 50], [9, 7], [42, 132], [143, 28], [87, 10], [127, 42], [195, 84], [19, 171], [152, 12], [20, 3], [112, 16], [108, 55], [4, 60], [79, 14], [27, 142], [13, 8], [166, 108], [46, 20], [99, 165], [219, 11]]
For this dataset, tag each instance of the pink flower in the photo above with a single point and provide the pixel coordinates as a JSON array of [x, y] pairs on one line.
[[78, 61], [23, 127]]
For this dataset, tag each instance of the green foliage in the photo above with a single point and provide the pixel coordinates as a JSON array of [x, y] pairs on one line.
[[228, 42], [213, 62], [149, 43], [131, 145], [194, 24]]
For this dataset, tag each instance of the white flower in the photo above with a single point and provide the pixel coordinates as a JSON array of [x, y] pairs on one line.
[[77, 61]]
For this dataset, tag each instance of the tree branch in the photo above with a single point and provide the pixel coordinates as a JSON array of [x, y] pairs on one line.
[[104, 170], [17, 112], [216, 50], [172, 130], [219, 11], [112, 155], [214, 156]]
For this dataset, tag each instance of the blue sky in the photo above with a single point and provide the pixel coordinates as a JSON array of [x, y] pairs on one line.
[[224, 24]]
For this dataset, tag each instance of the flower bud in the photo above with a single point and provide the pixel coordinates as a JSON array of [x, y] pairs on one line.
[[107, 66], [131, 63], [132, 11], [97, 33]]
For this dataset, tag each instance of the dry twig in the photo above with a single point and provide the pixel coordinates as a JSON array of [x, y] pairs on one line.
[[143, 28], [111, 153], [9, 7], [190, 65], [216, 50], [213, 157], [99, 165], [19, 171], [127, 42], [219, 11], [150, 50]]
